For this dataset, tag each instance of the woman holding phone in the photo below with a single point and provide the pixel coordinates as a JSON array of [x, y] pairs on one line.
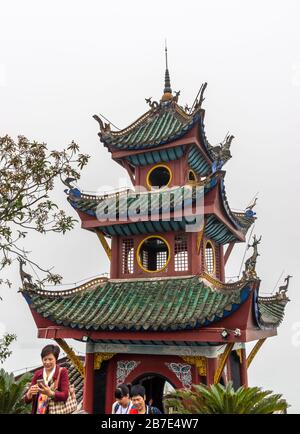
[[51, 382]]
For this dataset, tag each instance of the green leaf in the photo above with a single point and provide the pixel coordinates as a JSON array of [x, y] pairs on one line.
[[219, 399]]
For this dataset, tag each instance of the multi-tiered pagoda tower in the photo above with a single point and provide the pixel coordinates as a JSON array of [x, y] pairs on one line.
[[166, 314]]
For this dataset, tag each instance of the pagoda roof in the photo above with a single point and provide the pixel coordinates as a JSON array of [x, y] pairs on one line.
[[162, 134], [153, 304], [270, 312], [152, 203], [165, 122], [119, 203]]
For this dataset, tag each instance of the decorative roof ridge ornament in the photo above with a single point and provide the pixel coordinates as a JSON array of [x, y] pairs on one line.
[[167, 95], [282, 290], [175, 98], [104, 128], [217, 174], [279, 297], [73, 191], [249, 210], [221, 152], [152, 104], [26, 278], [197, 105], [89, 285], [216, 284], [250, 264]]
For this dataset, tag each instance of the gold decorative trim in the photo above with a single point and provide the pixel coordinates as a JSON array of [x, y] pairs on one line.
[[165, 166], [139, 259], [254, 351], [210, 243], [100, 197], [221, 285], [240, 355], [192, 181], [104, 243], [101, 357], [76, 362], [146, 116], [131, 127], [200, 238], [198, 361], [182, 113], [69, 292], [222, 362]]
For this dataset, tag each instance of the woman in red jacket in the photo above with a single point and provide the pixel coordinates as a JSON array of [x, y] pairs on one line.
[[44, 385]]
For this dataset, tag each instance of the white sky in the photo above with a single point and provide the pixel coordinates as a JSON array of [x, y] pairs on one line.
[[63, 61]]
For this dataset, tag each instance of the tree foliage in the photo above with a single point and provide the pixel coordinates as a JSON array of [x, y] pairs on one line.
[[5, 342], [12, 393], [28, 171], [219, 399]]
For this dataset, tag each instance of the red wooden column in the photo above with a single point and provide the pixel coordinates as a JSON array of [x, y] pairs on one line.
[[88, 391], [228, 251], [222, 264], [116, 259], [243, 369], [211, 366], [111, 384], [194, 255]]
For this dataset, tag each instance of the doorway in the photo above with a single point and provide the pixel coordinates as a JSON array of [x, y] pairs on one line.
[[156, 387]]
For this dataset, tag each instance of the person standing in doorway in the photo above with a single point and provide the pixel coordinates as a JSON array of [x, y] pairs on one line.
[[123, 403], [138, 398]]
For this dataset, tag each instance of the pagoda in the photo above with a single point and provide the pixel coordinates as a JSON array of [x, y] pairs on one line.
[[166, 314]]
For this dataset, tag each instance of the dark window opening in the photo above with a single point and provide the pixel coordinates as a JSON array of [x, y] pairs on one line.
[[100, 384], [153, 254], [235, 370], [156, 387], [192, 177], [159, 177]]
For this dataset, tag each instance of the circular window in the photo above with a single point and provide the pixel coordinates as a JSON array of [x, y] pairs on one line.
[[159, 176], [153, 254]]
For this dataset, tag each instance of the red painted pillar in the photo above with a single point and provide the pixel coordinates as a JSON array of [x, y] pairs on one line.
[[222, 265], [88, 391], [194, 257], [116, 260], [228, 370], [110, 385], [211, 367], [195, 377], [243, 369]]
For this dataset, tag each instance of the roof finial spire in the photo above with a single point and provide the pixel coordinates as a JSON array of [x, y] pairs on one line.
[[166, 51], [167, 90]]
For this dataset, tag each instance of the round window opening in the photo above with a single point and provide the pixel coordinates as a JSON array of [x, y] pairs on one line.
[[159, 176], [153, 254]]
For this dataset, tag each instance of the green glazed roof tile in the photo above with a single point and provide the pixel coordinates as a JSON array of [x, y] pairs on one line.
[[164, 304], [157, 127]]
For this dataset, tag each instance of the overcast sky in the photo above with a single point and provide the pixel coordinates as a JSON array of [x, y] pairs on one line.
[[63, 61]]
